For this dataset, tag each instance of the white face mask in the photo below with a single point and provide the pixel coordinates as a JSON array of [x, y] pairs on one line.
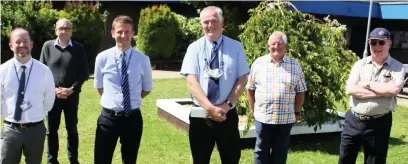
[[213, 73]]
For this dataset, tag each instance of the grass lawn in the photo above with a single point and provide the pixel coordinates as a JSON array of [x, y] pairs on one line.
[[164, 144]]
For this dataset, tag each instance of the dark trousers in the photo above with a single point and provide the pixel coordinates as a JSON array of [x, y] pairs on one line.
[[70, 108], [204, 133], [372, 134], [111, 127], [275, 136]]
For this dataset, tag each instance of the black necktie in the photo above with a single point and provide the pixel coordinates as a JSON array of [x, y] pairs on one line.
[[20, 95], [213, 84]]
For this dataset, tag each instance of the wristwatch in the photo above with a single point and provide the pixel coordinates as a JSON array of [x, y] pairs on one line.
[[230, 104]]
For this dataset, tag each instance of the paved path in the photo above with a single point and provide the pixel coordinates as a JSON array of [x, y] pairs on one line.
[[402, 101], [159, 74]]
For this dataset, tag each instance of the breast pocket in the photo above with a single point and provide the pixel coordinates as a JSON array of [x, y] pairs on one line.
[[288, 81]]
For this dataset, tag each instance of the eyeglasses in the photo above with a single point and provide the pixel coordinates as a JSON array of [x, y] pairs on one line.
[[374, 42], [64, 28]]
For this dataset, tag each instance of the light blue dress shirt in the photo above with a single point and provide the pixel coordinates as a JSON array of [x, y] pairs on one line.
[[231, 57], [108, 76]]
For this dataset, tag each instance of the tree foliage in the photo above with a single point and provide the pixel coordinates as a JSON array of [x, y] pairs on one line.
[[232, 12], [319, 46], [157, 31], [30, 15], [189, 31], [39, 18]]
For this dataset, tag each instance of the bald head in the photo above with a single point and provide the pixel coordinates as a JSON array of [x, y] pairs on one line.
[[17, 32], [21, 44]]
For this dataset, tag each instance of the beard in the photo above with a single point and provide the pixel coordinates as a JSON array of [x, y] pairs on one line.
[[23, 54]]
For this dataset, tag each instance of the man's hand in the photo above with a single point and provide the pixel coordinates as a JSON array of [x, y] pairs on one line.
[[58, 93], [63, 93], [219, 112], [251, 113], [66, 91]]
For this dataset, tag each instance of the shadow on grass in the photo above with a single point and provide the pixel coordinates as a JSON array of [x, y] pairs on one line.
[[398, 141], [327, 142]]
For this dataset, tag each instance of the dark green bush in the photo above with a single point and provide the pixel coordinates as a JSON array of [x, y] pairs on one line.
[[157, 31], [30, 15], [318, 46], [39, 19], [189, 31]]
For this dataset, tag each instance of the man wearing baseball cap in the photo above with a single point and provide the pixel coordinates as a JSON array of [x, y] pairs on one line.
[[373, 83]]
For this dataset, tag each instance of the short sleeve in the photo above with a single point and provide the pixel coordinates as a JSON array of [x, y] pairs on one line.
[[243, 67], [98, 76], [190, 61], [301, 83]]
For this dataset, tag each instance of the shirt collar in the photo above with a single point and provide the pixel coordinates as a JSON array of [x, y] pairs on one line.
[[218, 41], [28, 64], [118, 52], [56, 43], [387, 61], [269, 58]]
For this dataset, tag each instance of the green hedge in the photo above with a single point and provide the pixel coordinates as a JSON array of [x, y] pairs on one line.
[[157, 31], [39, 18]]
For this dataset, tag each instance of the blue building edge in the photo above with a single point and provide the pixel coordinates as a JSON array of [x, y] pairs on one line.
[[380, 10]]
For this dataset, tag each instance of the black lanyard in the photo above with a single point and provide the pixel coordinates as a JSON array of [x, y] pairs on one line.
[[117, 68], [28, 78]]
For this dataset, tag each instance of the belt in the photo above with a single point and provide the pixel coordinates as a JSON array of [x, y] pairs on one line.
[[366, 118], [120, 113], [23, 125]]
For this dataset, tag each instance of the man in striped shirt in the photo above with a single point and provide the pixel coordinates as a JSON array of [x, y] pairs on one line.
[[275, 91]]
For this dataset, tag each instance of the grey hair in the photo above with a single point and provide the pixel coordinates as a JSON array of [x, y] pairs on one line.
[[279, 33], [63, 20], [217, 10]]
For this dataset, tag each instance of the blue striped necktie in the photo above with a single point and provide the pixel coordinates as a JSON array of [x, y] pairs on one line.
[[125, 86]]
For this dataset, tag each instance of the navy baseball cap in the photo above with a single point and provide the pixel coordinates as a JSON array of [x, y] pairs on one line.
[[379, 33]]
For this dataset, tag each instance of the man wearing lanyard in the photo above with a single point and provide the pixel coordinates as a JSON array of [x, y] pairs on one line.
[[24, 103], [67, 60], [216, 73], [123, 78]]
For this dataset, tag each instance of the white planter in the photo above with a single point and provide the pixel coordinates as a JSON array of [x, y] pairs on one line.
[[176, 112]]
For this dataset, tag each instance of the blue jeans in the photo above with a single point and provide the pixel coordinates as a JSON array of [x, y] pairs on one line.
[[275, 136]]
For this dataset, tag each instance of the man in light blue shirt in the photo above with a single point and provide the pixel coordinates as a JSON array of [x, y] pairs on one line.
[[123, 78], [216, 72]]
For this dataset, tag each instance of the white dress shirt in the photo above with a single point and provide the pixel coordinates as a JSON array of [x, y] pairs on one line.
[[40, 90]]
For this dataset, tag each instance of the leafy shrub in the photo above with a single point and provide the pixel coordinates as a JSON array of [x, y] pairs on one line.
[[88, 25], [30, 15], [189, 31], [157, 31], [318, 46], [39, 19]]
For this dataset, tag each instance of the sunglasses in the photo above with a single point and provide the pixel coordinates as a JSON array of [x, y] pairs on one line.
[[374, 42]]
